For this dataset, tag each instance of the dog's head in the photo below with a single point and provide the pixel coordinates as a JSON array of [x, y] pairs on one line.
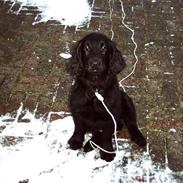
[[95, 55]]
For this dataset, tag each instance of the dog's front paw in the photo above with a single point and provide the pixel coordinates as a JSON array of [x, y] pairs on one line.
[[75, 142], [88, 147], [107, 156]]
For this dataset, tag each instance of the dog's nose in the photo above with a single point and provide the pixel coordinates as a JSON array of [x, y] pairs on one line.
[[95, 63]]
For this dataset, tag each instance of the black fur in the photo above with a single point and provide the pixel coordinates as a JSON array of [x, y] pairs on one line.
[[95, 63]]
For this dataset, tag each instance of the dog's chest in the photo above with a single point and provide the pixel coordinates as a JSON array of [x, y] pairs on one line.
[[96, 115], [97, 106], [93, 109]]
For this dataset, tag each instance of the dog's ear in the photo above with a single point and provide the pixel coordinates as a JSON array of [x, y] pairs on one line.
[[75, 65], [117, 62]]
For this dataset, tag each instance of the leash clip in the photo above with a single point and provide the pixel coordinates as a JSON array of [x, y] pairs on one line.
[[98, 95]]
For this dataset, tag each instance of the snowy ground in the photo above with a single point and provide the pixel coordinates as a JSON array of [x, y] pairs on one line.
[[40, 153]]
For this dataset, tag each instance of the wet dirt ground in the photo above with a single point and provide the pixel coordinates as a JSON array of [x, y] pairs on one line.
[[32, 69]]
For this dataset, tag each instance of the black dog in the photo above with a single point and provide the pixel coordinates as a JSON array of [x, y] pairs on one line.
[[95, 63]]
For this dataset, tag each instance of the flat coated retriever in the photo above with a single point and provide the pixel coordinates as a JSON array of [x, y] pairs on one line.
[[95, 63]]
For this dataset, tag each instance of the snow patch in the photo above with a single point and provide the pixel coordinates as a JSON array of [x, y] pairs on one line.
[[173, 130], [65, 55], [43, 155], [67, 12]]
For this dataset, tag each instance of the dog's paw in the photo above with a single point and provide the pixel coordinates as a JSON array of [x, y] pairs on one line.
[[75, 143], [140, 140], [107, 156], [87, 147]]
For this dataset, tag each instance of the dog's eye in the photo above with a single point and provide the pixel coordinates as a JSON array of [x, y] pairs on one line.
[[103, 47], [87, 48]]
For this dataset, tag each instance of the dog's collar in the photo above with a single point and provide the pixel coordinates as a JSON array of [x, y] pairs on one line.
[[100, 91]]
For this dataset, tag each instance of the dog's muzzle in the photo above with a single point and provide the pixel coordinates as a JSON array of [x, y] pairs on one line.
[[95, 66]]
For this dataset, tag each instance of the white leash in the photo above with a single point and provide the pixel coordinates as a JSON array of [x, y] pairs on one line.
[[100, 97]]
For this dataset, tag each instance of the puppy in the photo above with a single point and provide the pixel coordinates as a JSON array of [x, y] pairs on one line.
[[95, 64]]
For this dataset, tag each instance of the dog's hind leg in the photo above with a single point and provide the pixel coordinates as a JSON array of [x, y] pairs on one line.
[[130, 120]]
